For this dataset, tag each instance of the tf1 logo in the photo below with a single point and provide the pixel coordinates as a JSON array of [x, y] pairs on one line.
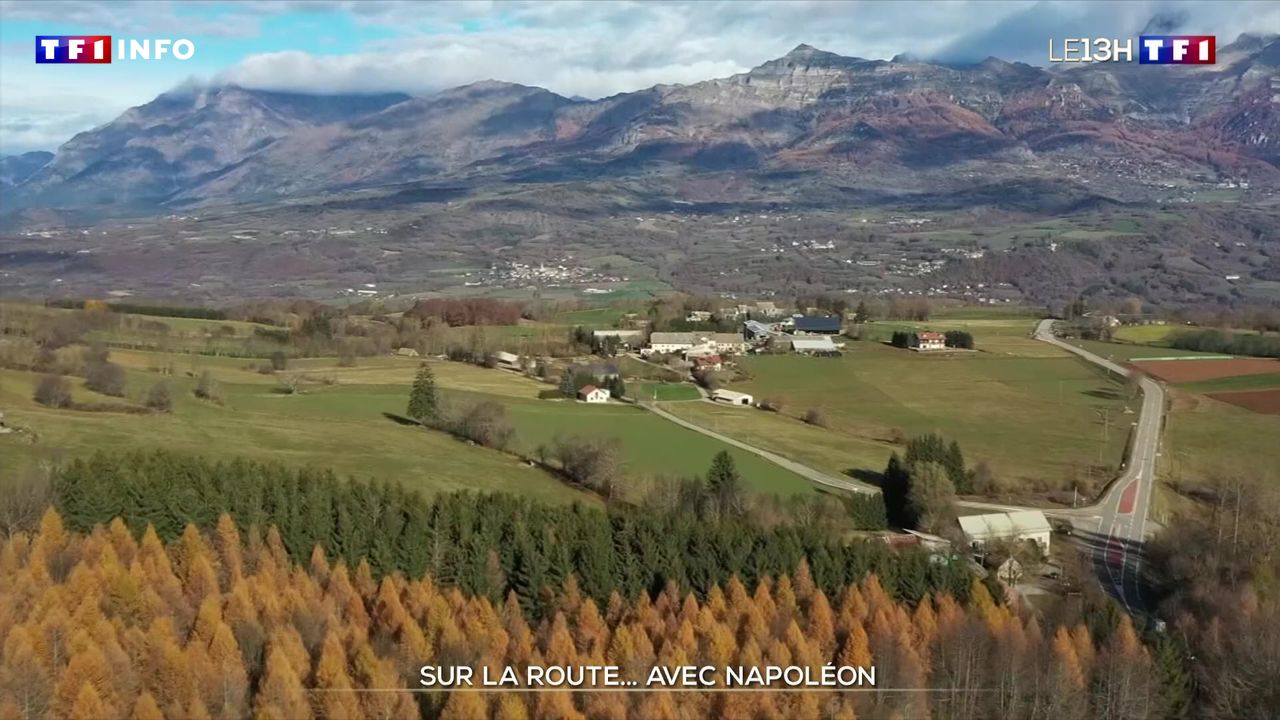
[[97, 49], [1152, 50], [1177, 49]]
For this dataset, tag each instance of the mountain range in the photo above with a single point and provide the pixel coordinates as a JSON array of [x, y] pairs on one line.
[[915, 127]]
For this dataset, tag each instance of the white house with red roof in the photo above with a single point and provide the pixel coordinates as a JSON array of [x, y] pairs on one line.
[[593, 394]]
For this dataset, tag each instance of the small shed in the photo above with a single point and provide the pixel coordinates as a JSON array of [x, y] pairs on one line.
[[406, 352], [732, 397]]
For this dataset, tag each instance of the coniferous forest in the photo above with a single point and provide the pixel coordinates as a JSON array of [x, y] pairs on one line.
[[228, 624], [483, 544]]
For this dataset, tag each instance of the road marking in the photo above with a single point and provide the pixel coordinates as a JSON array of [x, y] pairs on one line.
[[1129, 495]]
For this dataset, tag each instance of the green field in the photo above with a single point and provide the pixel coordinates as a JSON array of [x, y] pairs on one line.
[[338, 427], [827, 450], [601, 317], [1124, 351], [652, 447], [337, 422], [1149, 334], [1210, 440], [663, 391], [992, 333], [1032, 418]]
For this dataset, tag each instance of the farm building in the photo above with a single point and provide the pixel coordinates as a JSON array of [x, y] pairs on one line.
[[817, 325], [593, 394], [931, 341], [406, 352], [676, 342], [813, 345], [1019, 525], [756, 330], [698, 316], [671, 342], [733, 398], [509, 361], [730, 343]]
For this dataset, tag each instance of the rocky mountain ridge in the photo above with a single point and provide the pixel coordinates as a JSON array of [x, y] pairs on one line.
[[914, 125]]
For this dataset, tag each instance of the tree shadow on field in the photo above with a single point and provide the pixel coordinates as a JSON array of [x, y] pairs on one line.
[[401, 419], [871, 477], [1103, 394]]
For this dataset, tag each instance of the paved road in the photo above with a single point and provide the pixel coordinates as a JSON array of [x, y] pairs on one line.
[[804, 471], [1114, 528]]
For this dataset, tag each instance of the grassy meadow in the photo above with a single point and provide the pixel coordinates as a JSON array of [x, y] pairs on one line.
[[663, 391], [337, 421], [1206, 439], [336, 426], [1124, 351], [1029, 410]]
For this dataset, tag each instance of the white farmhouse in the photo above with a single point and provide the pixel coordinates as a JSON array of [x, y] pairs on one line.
[[671, 342], [728, 343], [593, 394], [931, 341]]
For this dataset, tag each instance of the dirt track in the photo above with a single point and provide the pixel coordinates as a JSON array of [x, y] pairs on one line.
[[1181, 371]]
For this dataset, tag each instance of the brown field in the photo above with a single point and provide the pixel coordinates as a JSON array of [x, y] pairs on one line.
[[1260, 401], [1183, 371]]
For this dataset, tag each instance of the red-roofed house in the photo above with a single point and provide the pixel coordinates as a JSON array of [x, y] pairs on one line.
[[593, 394], [708, 362], [931, 341]]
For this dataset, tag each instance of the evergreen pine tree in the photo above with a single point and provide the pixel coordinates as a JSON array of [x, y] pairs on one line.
[[725, 484], [424, 403]]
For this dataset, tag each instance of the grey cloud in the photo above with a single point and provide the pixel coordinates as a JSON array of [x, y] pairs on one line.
[[1024, 35], [593, 49], [43, 131]]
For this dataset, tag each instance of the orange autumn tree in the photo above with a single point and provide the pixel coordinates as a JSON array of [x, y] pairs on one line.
[[224, 626]]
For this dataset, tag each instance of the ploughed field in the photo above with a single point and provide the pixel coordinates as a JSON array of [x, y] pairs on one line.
[[1250, 383], [1261, 401], [1189, 371]]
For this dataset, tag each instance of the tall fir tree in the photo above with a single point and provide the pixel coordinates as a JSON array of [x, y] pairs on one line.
[[725, 484], [424, 401]]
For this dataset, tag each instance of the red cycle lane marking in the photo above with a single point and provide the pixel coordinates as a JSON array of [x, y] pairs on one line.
[[1127, 497]]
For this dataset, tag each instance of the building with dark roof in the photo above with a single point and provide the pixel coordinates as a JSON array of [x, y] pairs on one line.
[[817, 325]]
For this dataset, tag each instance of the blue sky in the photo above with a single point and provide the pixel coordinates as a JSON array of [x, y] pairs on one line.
[[590, 48]]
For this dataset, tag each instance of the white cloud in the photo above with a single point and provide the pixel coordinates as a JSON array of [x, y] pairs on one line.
[[583, 48]]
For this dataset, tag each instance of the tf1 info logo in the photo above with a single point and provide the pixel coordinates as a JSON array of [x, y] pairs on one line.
[[97, 49], [1151, 50]]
